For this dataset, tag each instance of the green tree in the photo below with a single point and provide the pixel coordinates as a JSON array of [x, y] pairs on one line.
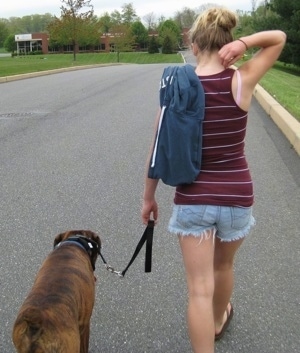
[[105, 23], [128, 14], [116, 18], [286, 9], [168, 43], [91, 32], [3, 31], [289, 13], [140, 33], [39, 23], [264, 18], [9, 44], [121, 39], [75, 25], [245, 24], [280, 14], [153, 45], [29, 24], [26, 23], [171, 30]]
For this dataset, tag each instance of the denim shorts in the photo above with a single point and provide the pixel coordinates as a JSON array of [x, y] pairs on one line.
[[227, 223]]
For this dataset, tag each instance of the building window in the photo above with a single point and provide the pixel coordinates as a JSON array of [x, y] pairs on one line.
[[23, 47], [36, 45]]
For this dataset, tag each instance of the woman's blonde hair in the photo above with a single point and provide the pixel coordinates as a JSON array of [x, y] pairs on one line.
[[213, 29]]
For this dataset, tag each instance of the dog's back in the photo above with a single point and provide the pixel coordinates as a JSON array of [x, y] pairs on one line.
[[55, 315], [48, 319]]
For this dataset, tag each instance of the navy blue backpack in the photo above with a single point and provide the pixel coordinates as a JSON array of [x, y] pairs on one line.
[[176, 156]]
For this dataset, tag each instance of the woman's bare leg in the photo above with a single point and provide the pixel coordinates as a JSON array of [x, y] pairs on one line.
[[198, 257], [223, 274]]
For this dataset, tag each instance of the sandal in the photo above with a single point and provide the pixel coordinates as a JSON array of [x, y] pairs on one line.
[[229, 314]]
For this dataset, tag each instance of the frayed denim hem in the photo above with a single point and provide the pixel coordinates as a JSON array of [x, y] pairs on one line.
[[205, 235], [190, 232], [239, 234]]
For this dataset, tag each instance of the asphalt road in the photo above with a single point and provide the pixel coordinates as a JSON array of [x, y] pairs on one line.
[[72, 155]]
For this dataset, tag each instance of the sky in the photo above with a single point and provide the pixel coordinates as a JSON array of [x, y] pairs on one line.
[[166, 8]]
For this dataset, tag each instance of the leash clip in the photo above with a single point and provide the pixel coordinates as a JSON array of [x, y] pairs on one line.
[[112, 270]]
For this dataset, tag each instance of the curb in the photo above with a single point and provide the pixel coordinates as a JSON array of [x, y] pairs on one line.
[[288, 125], [54, 71]]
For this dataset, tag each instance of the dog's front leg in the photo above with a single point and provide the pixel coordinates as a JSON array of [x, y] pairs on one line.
[[84, 340]]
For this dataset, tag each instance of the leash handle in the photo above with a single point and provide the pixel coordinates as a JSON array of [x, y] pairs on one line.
[[149, 243], [148, 238]]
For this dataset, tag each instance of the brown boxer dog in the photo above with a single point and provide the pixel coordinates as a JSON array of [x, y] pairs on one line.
[[55, 316]]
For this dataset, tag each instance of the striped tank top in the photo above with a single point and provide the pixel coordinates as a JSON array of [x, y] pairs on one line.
[[224, 179]]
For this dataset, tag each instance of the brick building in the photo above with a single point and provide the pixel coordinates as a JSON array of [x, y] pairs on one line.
[[27, 43], [32, 42]]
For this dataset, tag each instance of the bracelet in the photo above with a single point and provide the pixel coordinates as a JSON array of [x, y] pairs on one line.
[[243, 43]]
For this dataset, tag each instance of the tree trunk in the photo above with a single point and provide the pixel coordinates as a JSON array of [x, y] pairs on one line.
[[74, 51]]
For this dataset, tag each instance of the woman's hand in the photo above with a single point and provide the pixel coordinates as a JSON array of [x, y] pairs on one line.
[[149, 208], [232, 52]]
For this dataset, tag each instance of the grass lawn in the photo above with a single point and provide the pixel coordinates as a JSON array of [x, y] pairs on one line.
[[282, 81], [30, 63], [283, 84]]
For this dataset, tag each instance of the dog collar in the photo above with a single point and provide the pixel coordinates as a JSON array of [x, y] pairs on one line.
[[87, 244]]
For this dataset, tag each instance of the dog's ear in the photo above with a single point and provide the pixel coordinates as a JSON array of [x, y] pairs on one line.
[[58, 239], [91, 235], [96, 238]]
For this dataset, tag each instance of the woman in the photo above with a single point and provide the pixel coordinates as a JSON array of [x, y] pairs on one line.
[[213, 215]]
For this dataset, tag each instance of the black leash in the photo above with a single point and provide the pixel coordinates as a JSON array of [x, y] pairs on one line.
[[146, 237]]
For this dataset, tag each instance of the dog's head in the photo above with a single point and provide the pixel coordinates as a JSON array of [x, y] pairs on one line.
[[88, 239]]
